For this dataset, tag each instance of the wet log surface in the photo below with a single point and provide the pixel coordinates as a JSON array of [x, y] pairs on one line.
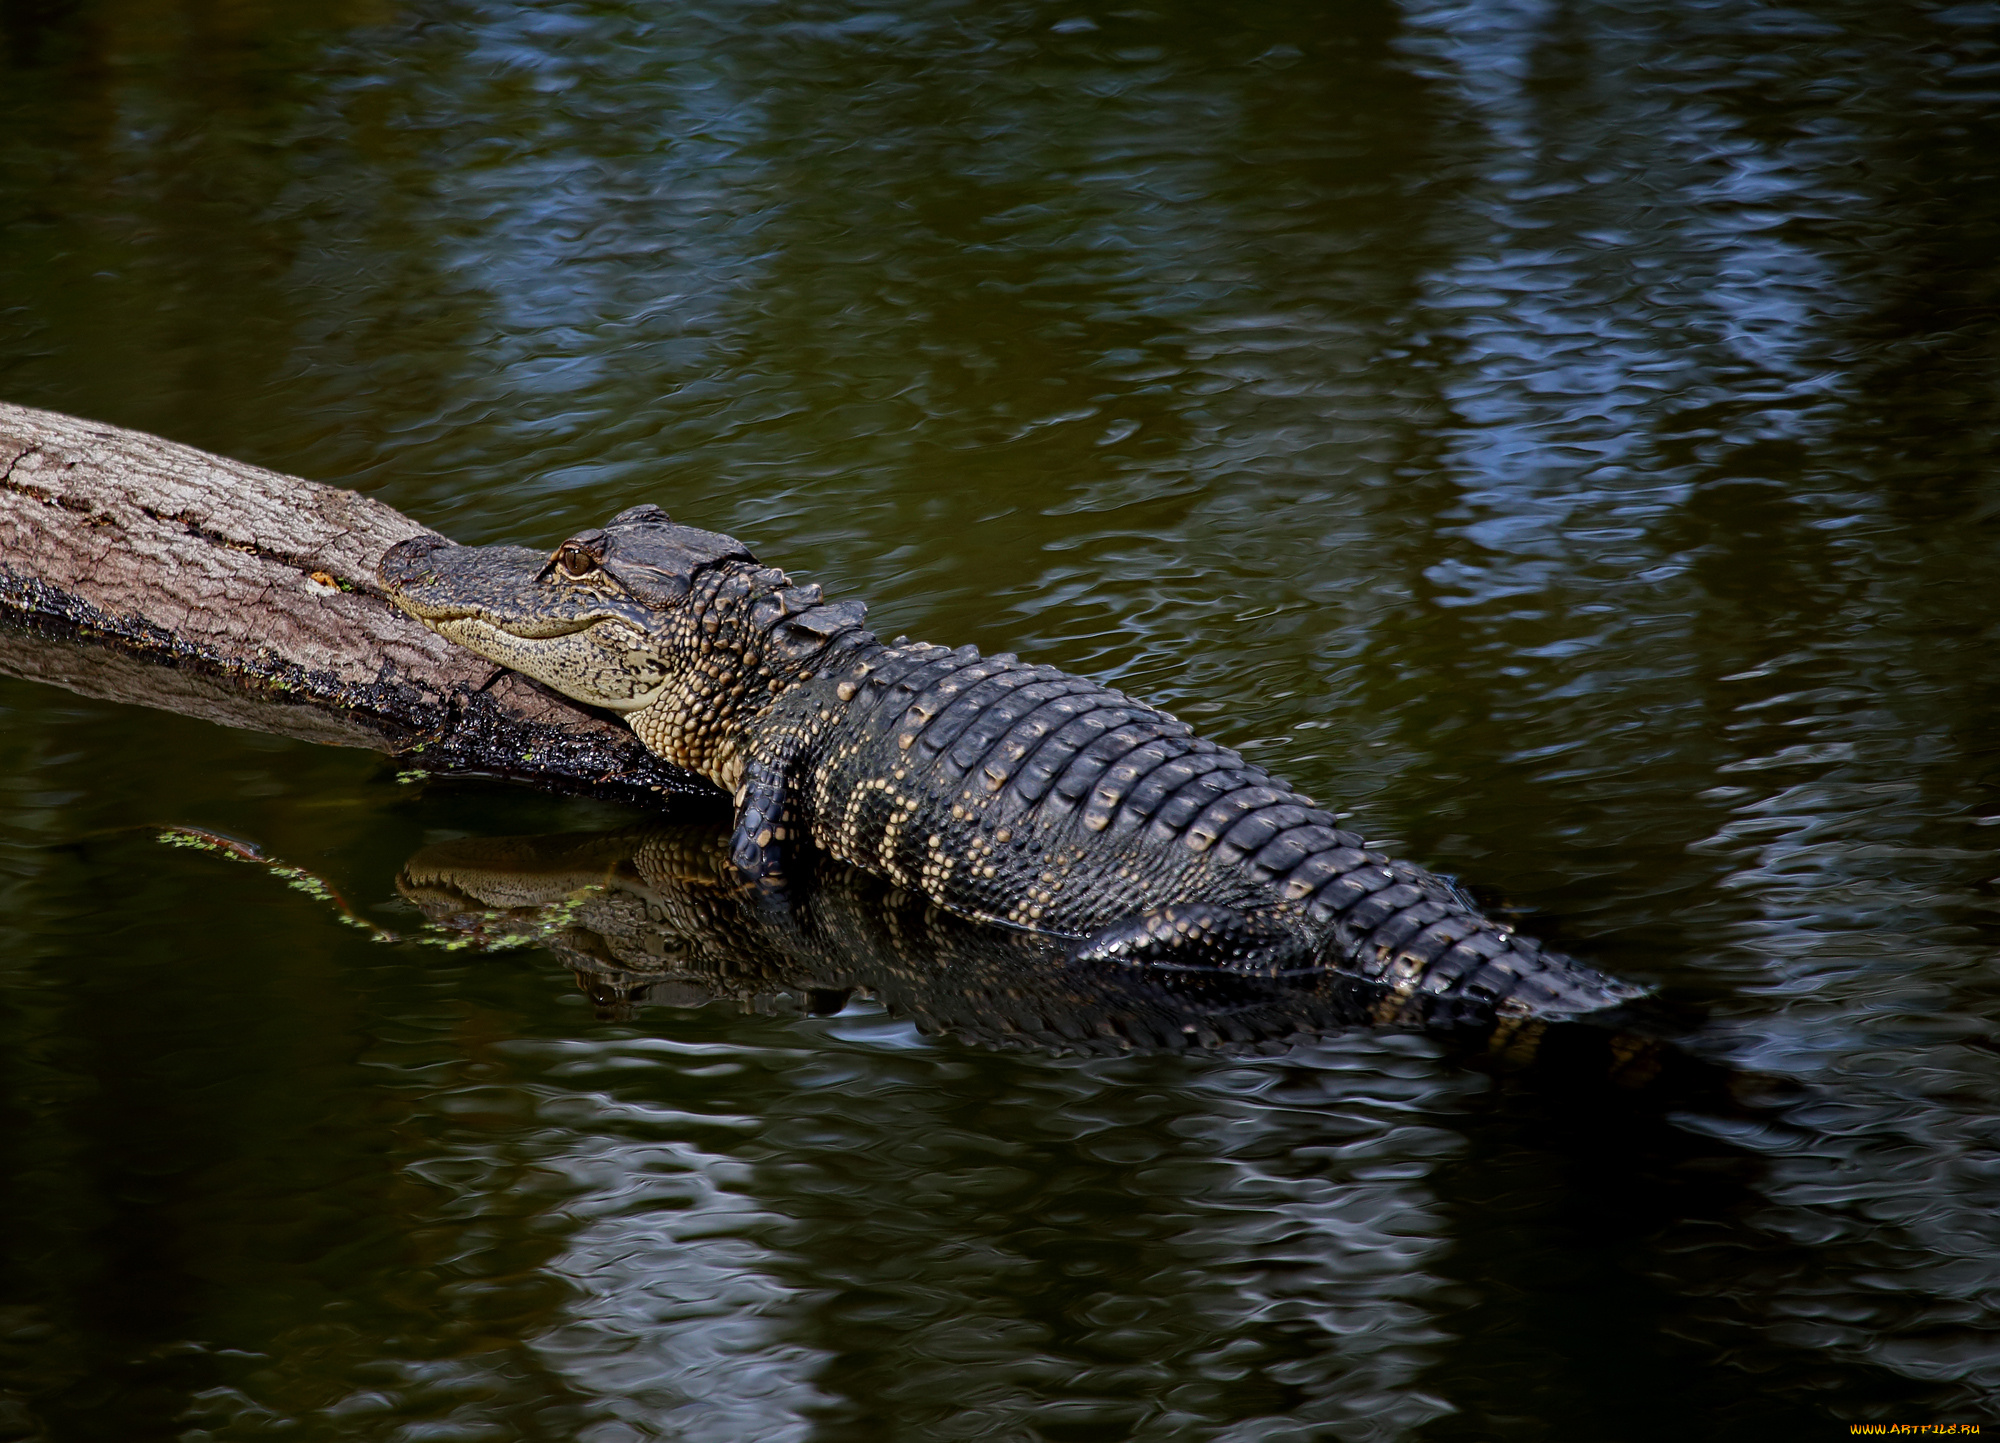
[[138, 570]]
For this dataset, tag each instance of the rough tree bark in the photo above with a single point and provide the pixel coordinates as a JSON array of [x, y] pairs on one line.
[[138, 570]]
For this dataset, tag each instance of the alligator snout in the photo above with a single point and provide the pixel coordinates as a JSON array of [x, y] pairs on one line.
[[408, 562]]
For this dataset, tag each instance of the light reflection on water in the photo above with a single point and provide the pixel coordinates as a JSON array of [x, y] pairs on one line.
[[1561, 435], [905, 1237]]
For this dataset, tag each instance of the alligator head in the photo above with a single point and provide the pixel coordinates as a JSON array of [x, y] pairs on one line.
[[585, 620], [671, 625]]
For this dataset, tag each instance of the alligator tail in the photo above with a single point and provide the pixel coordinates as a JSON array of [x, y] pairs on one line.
[[1412, 932]]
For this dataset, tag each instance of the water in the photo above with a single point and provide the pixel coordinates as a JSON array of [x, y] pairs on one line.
[[1562, 436]]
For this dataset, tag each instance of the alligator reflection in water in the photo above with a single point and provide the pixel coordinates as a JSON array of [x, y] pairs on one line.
[[659, 914]]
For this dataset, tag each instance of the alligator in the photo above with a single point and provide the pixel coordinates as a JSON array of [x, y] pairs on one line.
[[1005, 792]]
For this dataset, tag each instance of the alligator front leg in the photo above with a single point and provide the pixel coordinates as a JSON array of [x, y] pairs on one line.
[[762, 821]]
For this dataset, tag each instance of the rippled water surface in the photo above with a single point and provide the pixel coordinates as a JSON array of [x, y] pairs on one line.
[[1563, 434]]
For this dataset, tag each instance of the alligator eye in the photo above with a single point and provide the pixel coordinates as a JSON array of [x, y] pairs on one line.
[[574, 560]]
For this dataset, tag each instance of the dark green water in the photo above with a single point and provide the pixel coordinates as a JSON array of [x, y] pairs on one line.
[[1563, 433]]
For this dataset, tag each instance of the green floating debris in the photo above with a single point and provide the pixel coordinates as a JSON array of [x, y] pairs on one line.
[[518, 933], [297, 878]]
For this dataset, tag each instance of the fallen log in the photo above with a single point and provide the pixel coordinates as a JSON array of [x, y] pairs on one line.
[[138, 570]]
